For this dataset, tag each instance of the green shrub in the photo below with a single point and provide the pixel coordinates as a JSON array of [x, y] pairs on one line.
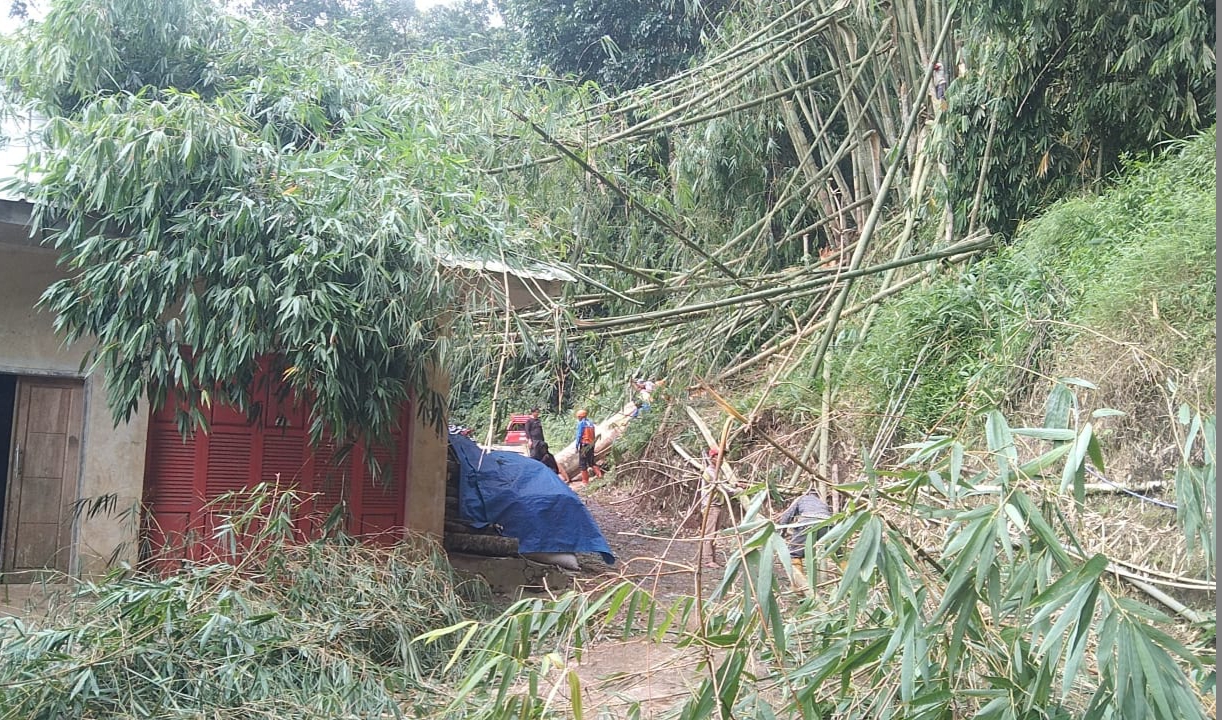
[[1136, 263]]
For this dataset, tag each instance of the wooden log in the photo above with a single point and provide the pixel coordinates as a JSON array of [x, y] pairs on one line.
[[606, 433], [489, 545]]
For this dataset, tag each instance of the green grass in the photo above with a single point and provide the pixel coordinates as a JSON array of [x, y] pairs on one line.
[[1135, 264]]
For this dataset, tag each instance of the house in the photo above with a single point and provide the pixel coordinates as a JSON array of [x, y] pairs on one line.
[[79, 492], [64, 454]]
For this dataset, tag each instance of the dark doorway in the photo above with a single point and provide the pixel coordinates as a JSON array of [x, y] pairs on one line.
[[8, 396]]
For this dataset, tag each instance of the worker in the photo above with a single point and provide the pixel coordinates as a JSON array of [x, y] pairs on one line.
[[712, 498], [534, 435], [939, 85], [584, 442], [803, 514]]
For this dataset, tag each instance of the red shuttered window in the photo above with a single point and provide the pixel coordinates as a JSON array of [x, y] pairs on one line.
[[182, 477]]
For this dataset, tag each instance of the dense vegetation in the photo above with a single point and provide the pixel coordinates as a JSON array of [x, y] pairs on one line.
[[224, 189], [1087, 279], [975, 303]]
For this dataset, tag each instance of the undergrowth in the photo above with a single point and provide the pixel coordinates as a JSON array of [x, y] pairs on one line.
[[971, 584], [266, 628], [1133, 267]]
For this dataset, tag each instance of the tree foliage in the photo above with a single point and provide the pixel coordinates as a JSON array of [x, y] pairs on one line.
[[385, 28], [619, 43], [381, 27], [222, 191], [1072, 88]]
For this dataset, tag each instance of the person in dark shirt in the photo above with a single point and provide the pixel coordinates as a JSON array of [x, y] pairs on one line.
[[804, 513], [549, 459], [534, 436], [802, 516]]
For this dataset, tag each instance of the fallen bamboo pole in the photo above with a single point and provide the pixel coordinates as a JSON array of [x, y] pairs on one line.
[[797, 290]]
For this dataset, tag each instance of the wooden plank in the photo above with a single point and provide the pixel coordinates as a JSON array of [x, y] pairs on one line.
[[43, 488]]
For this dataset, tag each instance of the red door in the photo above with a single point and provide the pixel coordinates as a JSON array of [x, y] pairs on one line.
[[183, 477]]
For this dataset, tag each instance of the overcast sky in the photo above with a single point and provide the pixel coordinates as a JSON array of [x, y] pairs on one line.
[[8, 24]]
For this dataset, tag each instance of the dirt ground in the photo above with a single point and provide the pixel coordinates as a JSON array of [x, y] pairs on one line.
[[654, 551], [659, 554]]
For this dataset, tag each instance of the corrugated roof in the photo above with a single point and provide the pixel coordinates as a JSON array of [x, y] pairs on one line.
[[533, 270]]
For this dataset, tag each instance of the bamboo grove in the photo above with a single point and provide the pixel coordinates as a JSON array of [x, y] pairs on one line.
[[221, 186]]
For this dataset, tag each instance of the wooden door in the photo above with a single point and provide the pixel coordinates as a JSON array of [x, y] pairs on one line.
[[45, 463]]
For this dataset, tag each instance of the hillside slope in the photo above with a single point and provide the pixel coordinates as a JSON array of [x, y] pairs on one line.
[[1116, 288]]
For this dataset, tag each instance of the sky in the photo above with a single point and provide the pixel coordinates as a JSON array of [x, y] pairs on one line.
[[9, 24]]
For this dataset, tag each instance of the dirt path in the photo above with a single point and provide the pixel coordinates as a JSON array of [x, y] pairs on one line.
[[651, 550], [636, 677]]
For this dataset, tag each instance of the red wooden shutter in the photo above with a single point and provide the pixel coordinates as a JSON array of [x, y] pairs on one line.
[[183, 477]]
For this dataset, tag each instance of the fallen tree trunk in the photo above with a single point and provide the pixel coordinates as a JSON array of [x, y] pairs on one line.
[[605, 433]]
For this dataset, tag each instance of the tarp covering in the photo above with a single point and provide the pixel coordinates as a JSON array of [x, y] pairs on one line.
[[526, 499]]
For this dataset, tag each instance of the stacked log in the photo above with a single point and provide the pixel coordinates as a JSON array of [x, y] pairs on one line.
[[480, 544]]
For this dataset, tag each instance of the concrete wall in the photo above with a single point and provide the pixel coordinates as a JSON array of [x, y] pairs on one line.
[[112, 460], [426, 475]]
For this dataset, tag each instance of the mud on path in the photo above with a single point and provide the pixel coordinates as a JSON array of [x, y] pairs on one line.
[[635, 677]]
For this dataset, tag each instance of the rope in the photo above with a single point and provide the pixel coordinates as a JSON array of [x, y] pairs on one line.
[[1143, 498]]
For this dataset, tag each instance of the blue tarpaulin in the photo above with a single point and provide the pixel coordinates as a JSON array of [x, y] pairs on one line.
[[528, 501]]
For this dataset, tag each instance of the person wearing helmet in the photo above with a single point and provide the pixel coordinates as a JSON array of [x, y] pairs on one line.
[[585, 448], [713, 492]]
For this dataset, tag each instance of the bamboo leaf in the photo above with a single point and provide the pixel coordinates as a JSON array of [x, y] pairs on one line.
[[1056, 434], [1057, 407], [575, 694], [1075, 470]]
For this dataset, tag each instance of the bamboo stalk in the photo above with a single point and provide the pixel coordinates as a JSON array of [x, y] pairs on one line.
[[748, 44], [790, 194], [1178, 607], [664, 223], [872, 221], [984, 169], [792, 38], [915, 193], [825, 420], [783, 344], [796, 290]]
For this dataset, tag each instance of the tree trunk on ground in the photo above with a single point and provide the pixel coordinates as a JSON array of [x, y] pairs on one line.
[[605, 433]]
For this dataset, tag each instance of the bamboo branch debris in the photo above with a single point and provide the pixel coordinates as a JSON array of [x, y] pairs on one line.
[[789, 292], [852, 94], [876, 211], [702, 90], [664, 223]]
